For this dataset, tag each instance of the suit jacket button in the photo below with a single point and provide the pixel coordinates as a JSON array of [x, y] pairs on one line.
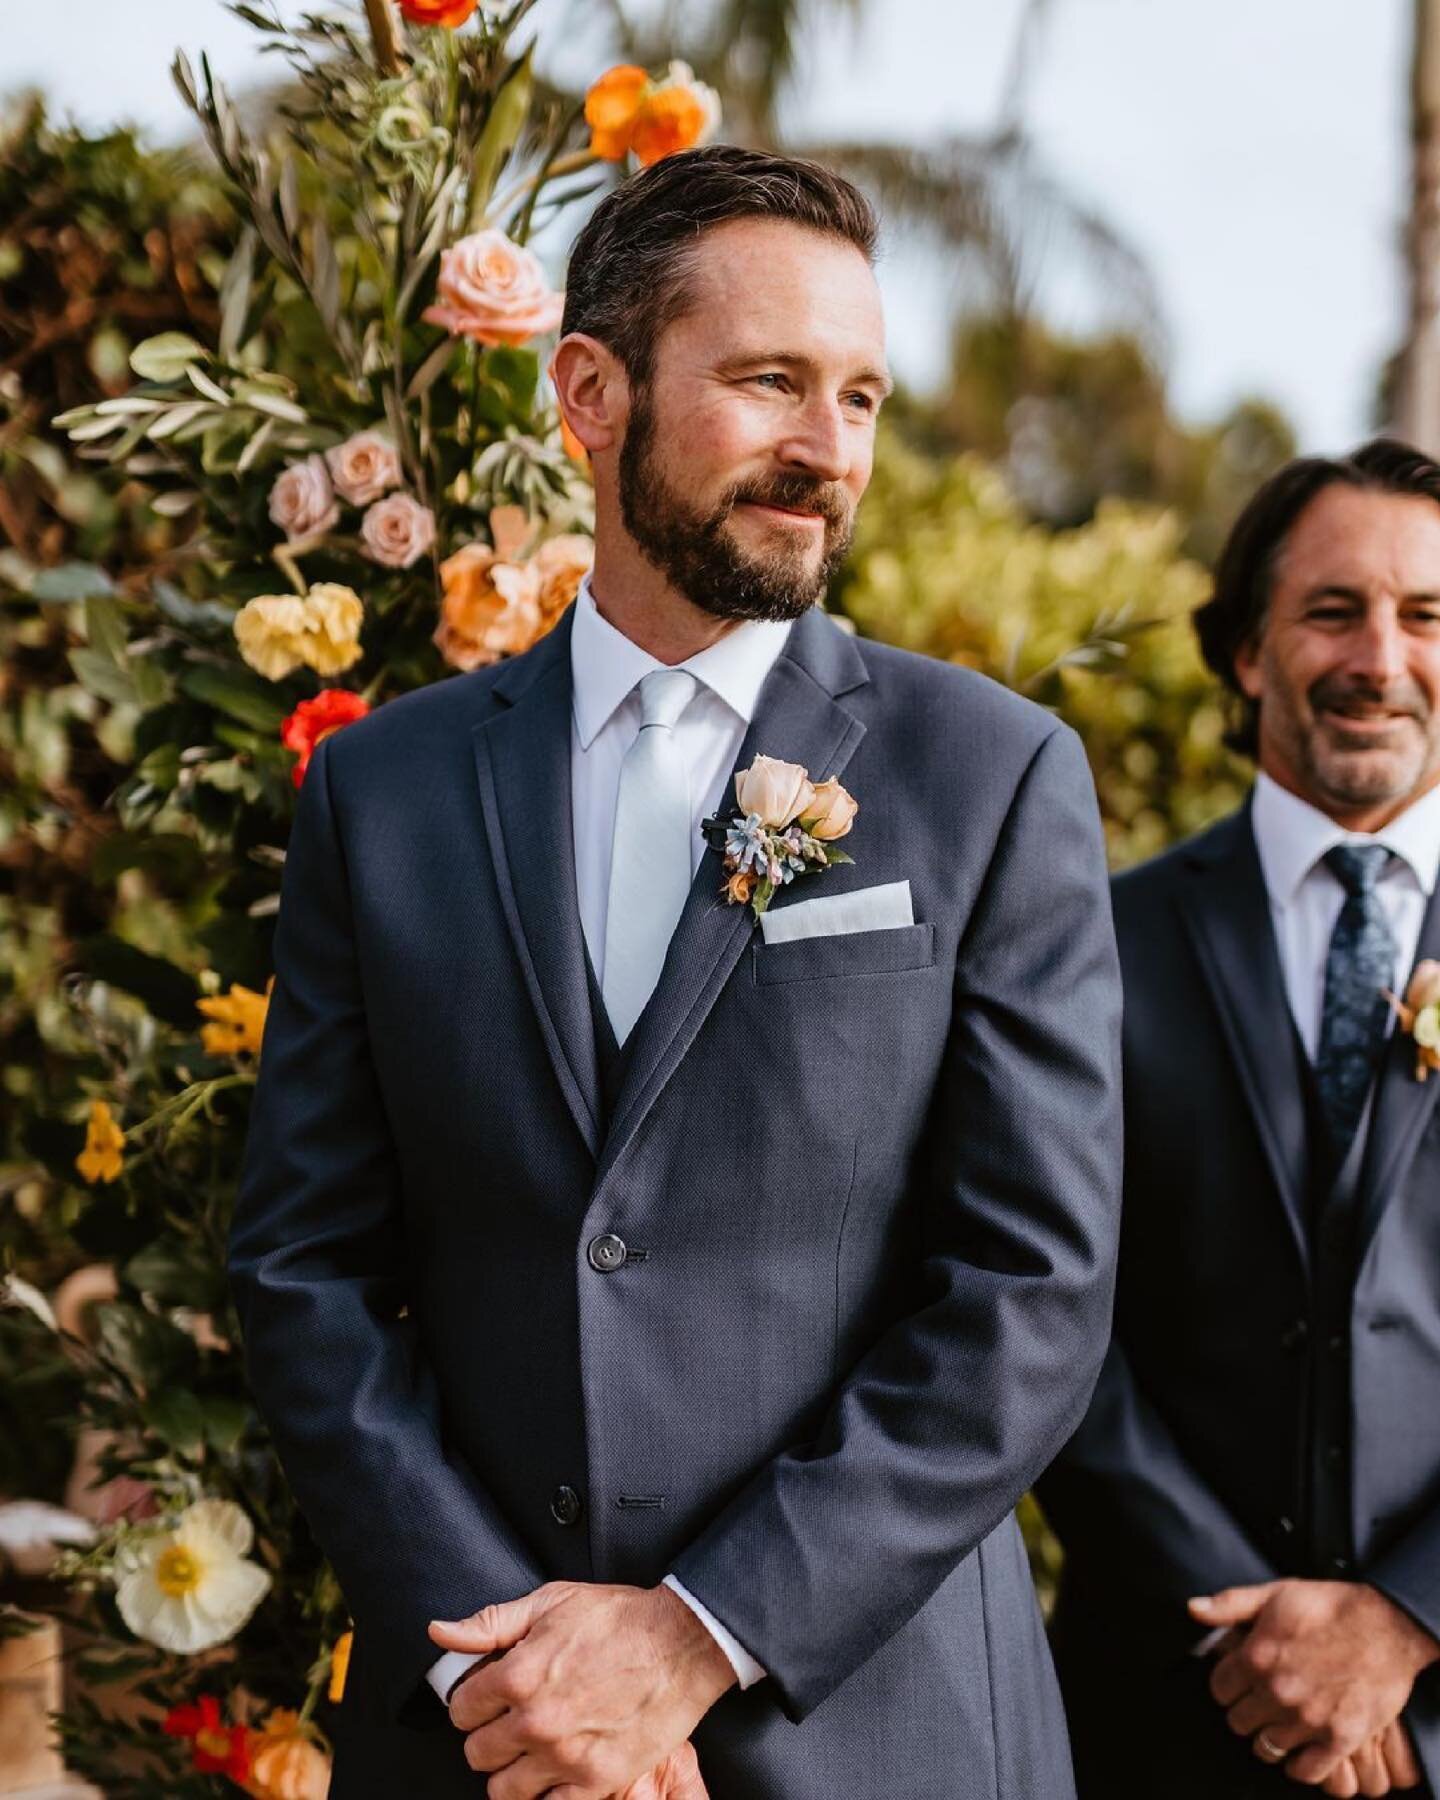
[[1294, 1334], [606, 1253], [565, 1506]]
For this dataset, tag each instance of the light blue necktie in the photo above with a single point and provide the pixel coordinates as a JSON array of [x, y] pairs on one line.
[[651, 854], [1360, 963]]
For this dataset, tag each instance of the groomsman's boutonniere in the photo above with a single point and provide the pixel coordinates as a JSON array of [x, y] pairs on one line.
[[1419, 1014], [785, 825]]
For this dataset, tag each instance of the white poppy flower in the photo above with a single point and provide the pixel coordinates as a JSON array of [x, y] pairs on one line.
[[190, 1588]]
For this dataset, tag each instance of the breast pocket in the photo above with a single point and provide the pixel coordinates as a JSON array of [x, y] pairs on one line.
[[853, 953]]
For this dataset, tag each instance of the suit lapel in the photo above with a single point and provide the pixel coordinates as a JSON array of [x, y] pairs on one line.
[[1402, 1103], [1228, 914], [522, 761], [799, 719]]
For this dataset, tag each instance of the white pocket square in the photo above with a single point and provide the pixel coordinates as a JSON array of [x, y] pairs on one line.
[[868, 909]]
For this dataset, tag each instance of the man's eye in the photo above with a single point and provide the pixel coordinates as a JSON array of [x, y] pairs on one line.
[[1329, 615], [771, 376], [861, 402]]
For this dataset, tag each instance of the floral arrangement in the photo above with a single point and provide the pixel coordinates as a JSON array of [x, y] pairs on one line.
[[784, 826], [360, 484], [1419, 1014]]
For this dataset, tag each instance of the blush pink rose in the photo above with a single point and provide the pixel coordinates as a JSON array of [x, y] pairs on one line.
[[397, 531], [302, 501], [364, 467], [493, 291]]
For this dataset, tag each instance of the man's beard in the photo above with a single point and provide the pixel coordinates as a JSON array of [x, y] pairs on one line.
[[696, 552], [1354, 770]]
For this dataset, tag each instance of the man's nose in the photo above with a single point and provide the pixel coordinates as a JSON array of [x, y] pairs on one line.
[[816, 442], [1378, 651]]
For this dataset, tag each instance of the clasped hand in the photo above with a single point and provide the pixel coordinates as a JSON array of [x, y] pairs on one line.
[[1319, 1671], [596, 1694]]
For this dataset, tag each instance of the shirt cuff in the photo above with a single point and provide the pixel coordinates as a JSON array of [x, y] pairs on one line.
[[447, 1670], [747, 1670]]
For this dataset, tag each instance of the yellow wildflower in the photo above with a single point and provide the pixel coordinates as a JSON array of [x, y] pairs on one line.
[[103, 1156], [239, 1021]]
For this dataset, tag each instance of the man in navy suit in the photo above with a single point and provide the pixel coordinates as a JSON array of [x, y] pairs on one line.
[[659, 1311], [1264, 1442]]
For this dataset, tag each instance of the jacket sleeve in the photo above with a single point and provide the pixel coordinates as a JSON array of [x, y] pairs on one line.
[[947, 1420], [1124, 1489], [316, 1262], [1409, 1572]]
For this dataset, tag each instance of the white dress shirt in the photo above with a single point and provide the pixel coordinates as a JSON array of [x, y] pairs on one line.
[[1291, 837], [605, 670]]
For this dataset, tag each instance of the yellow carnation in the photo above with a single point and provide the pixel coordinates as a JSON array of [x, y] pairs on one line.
[[270, 631]]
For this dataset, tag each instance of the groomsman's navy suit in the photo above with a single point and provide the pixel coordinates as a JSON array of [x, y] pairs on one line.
[[1271, 1402], [797, 1315]]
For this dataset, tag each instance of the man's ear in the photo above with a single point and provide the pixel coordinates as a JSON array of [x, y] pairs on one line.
[[1247, 669], [592, 389]]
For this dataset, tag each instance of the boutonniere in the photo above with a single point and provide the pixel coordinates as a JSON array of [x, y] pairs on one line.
[[1419, 1014], [784, 825]]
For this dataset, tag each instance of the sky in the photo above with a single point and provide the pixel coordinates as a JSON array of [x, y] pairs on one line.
[[1253, 151]]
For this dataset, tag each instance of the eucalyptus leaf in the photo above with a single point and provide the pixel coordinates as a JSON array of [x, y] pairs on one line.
[[71, 581], [166, 356]]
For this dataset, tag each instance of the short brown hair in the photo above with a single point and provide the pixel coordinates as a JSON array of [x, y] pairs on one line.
[[1234, 615], [630, 267]]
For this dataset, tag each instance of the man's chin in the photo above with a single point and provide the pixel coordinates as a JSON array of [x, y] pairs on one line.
[[1356, 778]]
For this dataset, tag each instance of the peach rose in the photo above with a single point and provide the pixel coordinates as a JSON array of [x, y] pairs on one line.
[[490, 608], [493, 291], [1424, 989], [777, 791], [831, 813], [302, 501], [561, 563], [270, 631], [364, 467], [397, 531]]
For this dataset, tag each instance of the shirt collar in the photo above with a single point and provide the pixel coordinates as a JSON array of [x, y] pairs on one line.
[[605, 665], [1291, 836]]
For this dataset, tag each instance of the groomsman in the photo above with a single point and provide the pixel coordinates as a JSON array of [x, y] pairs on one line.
[[1251, 1509], [670, 1302]]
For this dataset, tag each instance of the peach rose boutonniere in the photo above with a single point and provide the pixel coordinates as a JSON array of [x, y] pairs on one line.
[[783, 825], [1419, 1014]]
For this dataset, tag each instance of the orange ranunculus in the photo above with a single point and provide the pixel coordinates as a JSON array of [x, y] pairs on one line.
[[239, 1020], [610, 109], [448, 13], [103, 1158], [315, 719], [672, 119], [286, 1762], [627, 111]]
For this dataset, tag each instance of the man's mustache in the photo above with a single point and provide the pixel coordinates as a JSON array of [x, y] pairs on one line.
[[1334, 693], [797, 493]]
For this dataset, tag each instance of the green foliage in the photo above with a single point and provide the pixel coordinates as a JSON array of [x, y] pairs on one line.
[[1092, 621]]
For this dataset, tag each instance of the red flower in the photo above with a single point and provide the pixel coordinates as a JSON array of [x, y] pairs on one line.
[[216, 1748], [316, 719], [438, 12]]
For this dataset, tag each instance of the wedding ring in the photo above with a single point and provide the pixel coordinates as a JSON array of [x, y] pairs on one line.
[[1270, 1750]]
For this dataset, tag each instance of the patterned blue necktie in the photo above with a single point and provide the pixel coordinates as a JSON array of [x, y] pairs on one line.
[[1360, 962]]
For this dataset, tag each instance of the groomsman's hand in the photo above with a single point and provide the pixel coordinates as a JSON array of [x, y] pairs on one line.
[[677, 1778], [1324, 1669], [599, 1686]]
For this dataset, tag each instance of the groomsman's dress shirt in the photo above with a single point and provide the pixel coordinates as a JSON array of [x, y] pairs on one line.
[[605, 670], [1292, 838]]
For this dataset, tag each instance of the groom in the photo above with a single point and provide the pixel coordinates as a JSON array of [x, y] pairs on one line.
[[659, 1313]]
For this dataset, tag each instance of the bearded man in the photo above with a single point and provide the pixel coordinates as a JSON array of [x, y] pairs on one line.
[[1264, 1443], [660, 1307]]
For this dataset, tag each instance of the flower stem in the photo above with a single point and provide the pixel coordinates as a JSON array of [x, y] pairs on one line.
[[382, 35]]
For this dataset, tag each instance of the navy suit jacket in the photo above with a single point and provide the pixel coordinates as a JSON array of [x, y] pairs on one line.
[[868, 1187], [1271, 1402]]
